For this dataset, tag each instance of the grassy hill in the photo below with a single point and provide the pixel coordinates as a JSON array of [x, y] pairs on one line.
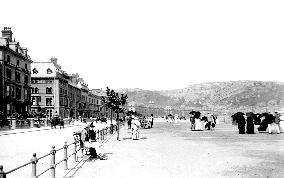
[[233, 94]]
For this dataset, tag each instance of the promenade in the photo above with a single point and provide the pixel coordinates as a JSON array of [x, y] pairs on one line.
[[172, 150]]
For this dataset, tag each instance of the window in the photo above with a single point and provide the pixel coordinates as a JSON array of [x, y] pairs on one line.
[[32, 90], [8, 59], [35, 71], [8, 109], [26, 66], [49, 113], [61, 101], [36, 100], [8, 91], [8, 73], [18, 63], [48, 71], [48, 101], [48, 90], [18, 77], [26, 94], [18, 93], [26, 79], [36, 91], [13, 91]]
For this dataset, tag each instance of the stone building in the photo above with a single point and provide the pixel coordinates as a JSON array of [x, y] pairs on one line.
[[50, 88], [74, 95], [15, 77]]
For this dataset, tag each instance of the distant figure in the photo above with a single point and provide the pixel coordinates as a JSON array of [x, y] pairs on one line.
[[270, 120], [152, 120], [129, 121], [135, 125], [241, 121], [209, 121], [277, 122], [250, 123], [198, 124], [281, 122]]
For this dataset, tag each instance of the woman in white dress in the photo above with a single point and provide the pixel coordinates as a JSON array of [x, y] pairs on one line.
[[135, 125], [198, 124]]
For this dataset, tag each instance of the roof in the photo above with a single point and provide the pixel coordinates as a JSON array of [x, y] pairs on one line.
[[43, 69]]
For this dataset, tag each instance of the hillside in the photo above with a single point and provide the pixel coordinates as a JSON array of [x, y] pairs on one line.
[[234, 94]]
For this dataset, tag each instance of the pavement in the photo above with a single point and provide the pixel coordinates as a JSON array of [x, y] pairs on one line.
[[172, 150], [35, 129], [17, 147]]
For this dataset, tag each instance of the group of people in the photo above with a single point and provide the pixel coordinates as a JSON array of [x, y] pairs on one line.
[[202, 122], [134, 123], [89, 141], [198, 121], [270, 122]]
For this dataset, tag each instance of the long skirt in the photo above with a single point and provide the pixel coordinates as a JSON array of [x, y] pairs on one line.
[[94, 145], [281, 125], [135, 134], [198, 124], [250, 128], [273, 128], [242, 128]]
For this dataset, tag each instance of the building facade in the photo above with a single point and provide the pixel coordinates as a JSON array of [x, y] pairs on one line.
[[49, 89], [15, 75]]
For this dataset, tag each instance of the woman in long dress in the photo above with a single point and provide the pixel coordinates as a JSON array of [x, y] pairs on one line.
[[197, 121], [135, 125], [250, 123]]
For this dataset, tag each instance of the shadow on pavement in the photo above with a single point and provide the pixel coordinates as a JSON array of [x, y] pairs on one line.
[[130, 138]]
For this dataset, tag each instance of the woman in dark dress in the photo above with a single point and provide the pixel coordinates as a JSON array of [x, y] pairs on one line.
[[250, 123], [241, 121]]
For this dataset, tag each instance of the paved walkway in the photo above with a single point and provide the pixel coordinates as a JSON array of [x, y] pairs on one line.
[[171, 150]]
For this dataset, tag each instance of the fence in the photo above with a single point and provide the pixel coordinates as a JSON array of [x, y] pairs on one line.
[[100, 136]]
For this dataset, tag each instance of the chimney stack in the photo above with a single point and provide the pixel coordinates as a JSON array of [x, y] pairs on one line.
[[7, 33], [53, 60]]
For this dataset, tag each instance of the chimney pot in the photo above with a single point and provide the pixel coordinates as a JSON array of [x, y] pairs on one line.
[[7, 33]]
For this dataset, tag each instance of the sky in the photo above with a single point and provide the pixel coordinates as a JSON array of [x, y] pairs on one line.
[[153, 44]]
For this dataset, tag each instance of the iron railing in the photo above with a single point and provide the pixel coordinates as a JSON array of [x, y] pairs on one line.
[[100, 136]]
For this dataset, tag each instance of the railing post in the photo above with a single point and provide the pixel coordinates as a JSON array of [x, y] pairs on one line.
[[75, 150], [96, 136], [52, 165], [32, 122], [2, 173], [111, 128], [65, 156], [34, 162], [13, 123], [98, 133]]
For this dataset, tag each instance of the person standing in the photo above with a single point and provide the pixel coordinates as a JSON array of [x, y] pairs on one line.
[[250, 123], [135, 125], [270, 119], [152, 120], [241, 121], [277, 122], [209, 121]]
